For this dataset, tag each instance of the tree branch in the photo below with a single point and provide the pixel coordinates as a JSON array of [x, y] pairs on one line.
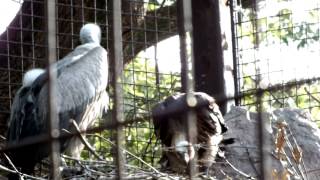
[[85, 142]]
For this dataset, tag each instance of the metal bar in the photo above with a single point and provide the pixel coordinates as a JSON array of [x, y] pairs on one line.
[[234, 53], [9, 67], [21, 42], [53, 116], [117, 81], [264, 140], [71, 23], [32, 36], [187, 73]]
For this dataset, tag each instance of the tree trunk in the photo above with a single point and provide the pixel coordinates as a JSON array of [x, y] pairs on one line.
[[208, 54]]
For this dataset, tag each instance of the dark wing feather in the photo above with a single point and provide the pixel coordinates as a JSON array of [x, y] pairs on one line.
[[77, 85], [209, 118], [17, 115]]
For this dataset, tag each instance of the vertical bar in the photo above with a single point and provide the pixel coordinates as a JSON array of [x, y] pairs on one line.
[[53, 116], [72, 23], [117, 80], [187, 73], [9, 67], [234, 54], [264, 140], [32, 36], [21, 43], [82, 12]]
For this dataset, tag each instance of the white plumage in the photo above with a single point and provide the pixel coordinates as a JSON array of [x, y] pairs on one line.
[[31, 76]]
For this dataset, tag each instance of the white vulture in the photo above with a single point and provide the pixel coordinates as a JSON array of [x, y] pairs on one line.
[[82, 78], [170, 124]]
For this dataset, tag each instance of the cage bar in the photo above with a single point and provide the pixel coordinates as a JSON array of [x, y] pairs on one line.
[[187, 73], [117, 81], [53, 115]]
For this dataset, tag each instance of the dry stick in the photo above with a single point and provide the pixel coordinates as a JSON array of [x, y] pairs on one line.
[[288, 158], [238, 171], [98, 162], [78, 161], [151, 167], [302, 161], [13, 166], [13, 171], [16, 171], [85, 142], [85, 161], [252, 162], [3, 138]]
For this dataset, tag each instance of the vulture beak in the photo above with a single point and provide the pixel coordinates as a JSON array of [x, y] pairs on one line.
[[184, 156], [182, 151]]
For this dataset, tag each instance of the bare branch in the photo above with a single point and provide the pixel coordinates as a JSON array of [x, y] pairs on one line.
[[141, 160], [16, 171], [85, 142]]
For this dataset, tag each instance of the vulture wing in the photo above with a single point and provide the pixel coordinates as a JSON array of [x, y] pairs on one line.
[[170, 126], [17, 113], [209, 118], [77, 85]]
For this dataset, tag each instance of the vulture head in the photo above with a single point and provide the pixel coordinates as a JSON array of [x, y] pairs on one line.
[[90, 33], [170, 124]]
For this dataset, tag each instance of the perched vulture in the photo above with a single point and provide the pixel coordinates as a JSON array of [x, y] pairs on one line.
[[82, 78], [170, 124]]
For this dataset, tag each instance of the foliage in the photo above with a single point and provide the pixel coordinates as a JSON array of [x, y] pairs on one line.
[[141, 93], [287, 27]]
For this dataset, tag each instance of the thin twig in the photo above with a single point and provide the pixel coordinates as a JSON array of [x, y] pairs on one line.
[[13, 166], [238, 171], [16, 171], [85, 142], [302, 161], [252, 162], [3, 138], [85, 161], [141, 160]]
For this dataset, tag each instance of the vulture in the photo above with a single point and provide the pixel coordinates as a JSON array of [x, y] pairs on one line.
[[82, 78], [170, 125]]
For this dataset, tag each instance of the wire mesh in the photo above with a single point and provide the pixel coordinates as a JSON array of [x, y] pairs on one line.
[[276, 40], [274, 59], [144, 24], [259, 29]]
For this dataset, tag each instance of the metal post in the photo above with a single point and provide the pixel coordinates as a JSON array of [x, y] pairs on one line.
[[264, 139], [53, 116], [234, 54], [187, 73], [117, 82]]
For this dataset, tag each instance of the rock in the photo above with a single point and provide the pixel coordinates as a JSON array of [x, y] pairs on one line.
[[301, 135]]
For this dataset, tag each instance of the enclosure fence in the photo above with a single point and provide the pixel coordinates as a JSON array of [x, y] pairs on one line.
[[44, 31]]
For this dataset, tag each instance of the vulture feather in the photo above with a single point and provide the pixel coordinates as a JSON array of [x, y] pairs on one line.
[[170, 124], [82, 78]]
